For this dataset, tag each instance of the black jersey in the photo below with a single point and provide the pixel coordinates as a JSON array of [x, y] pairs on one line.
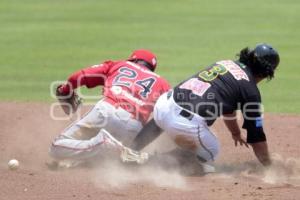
[[222, 88]]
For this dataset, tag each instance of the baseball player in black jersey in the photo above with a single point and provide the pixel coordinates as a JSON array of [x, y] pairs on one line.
[[186, 112]]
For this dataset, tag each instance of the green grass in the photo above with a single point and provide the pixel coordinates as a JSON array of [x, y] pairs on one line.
[[43, 41]]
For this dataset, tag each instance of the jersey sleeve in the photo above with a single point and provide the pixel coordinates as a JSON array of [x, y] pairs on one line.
[[253, 121], [90, 77]]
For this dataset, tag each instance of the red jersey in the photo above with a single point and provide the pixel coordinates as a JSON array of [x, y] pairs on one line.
[[126, 84]]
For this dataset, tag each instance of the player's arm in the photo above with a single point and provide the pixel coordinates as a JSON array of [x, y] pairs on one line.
[[262, 153], [230, 121], [253, 123], [148, 133], [89, 77]]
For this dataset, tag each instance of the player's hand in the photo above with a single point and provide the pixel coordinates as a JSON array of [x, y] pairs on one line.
[[64, 90], [238, 139], [69, 101]]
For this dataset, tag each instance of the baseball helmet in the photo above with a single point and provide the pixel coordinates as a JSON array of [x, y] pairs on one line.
[[144, 55], [266, 56], [262, 60]]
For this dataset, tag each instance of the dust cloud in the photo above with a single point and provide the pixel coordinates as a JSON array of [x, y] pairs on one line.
[[283, 171], [162, 171], [117, 175]]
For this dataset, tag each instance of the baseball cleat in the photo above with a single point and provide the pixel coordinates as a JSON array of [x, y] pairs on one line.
[[207, 168], [129, 155]]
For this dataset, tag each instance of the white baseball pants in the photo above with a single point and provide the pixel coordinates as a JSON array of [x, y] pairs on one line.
[[190, 134], [84, 139]]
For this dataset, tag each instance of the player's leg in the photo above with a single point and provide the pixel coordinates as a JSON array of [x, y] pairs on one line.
[[197, 139], [87, 138], [195, 136], [81, 136], [208, 147], [122, 125], [190, 133], [85, 149], [70, 148]]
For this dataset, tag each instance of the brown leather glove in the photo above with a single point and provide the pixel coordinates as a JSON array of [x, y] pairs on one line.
[[69, 101]]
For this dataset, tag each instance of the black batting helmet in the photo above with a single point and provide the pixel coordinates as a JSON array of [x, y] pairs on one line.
[[262, 60]]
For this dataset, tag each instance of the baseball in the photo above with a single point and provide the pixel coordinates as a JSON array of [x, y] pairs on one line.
[[13, 164]]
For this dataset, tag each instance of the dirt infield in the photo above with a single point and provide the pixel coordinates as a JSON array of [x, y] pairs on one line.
[[27, 130]]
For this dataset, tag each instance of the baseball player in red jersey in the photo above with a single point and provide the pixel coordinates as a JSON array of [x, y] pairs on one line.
[[131, 89]]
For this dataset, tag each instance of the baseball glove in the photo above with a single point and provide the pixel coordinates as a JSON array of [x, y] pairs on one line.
[[69, 102]]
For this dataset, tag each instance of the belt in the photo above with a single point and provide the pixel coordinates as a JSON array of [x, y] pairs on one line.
[[184, 113]]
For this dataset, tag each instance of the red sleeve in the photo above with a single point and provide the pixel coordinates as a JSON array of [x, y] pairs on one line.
[[90, 77]]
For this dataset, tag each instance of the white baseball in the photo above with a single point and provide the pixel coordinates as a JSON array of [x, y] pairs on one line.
[[13, 164]]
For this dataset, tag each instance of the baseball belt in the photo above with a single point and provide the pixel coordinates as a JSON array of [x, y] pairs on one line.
[[184, 113]]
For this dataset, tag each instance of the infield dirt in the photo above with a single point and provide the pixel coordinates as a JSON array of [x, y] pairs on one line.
[[27, 130]]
